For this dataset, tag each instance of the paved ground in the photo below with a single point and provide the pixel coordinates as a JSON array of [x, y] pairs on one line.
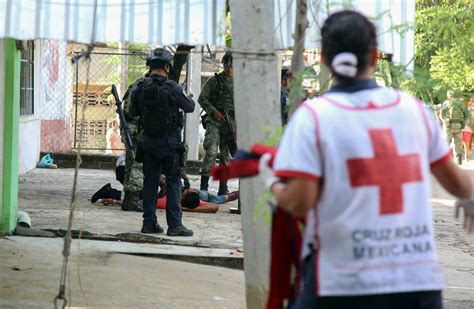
[[111, 277], [45, 195], [100, 277]]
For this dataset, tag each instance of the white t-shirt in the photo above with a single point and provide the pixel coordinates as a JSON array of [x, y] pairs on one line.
[[371, 152]]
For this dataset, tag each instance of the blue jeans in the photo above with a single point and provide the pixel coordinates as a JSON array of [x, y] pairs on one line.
[[205, 196], [160, 155]]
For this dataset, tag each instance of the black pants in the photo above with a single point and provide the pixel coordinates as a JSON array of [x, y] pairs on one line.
[[160, 156], [410, 300]]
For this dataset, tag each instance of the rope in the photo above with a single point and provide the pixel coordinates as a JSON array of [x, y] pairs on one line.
[[67, 240]]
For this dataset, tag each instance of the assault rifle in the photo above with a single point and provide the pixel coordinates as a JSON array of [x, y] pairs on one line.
[[231, 138], [123, 122]]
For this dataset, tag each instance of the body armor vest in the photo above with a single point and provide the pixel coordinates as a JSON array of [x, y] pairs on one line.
[[159, 116]]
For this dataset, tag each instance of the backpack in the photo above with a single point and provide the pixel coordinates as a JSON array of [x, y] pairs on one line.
[[158, 115]]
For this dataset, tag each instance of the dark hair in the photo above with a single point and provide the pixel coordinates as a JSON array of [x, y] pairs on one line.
[[227, 59], [191, 199], [348, 31], [156, 64]]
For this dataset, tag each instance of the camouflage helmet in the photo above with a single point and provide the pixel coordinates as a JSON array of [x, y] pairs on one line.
[[227, 59], [160, 54]]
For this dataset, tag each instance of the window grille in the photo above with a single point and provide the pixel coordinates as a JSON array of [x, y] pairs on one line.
[[27, 80]]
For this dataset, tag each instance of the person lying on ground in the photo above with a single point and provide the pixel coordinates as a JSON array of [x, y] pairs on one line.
[[207, 202], [192, 200]]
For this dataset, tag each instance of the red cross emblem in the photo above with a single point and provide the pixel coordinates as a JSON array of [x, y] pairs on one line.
[[387, 170]]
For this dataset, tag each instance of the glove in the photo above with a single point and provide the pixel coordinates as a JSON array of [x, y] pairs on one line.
[[187, 184], [468, 206], [266, 172]]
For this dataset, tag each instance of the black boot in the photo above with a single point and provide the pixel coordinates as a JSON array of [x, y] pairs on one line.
[[131, 202], [101, 193], [459, 159], [204, 183], [223, 190]]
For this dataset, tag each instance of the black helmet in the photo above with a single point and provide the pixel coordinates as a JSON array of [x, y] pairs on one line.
[[227, 59], [285, 73], [160, 54]]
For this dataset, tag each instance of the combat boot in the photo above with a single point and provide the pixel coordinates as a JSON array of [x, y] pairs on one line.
[[131, 202], [459, 157], [204, 183], [223, 190]]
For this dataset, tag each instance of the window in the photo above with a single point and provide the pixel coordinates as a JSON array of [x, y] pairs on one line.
[[26, 80]]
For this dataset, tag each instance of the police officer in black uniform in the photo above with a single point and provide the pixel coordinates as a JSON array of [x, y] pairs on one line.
[[157, 101]]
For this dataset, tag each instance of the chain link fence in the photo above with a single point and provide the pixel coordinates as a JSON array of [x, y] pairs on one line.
[[62, 97]]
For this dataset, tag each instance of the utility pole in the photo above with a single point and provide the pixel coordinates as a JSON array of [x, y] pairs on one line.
[[192, 119], [257, 106]]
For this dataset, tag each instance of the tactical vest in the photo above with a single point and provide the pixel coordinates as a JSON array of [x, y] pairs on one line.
[[223, 94], [455, 113], [159, 116]]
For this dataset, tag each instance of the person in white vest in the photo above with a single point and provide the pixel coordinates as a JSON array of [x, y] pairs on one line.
[[356, 163]]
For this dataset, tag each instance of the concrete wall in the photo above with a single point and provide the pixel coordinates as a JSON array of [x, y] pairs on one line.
[[30, 125], [29, 143], [2, 113], [56, 96]]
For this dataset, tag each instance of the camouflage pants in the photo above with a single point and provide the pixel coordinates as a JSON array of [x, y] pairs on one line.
[[215, 143], [133, 173], [451, 132]]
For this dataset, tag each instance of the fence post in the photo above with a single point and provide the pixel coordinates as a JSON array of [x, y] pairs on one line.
[[192, 119]]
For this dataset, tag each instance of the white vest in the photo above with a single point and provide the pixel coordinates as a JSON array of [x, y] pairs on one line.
[[372, 226]]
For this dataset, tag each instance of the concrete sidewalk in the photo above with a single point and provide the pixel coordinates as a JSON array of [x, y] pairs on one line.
[[105, 275], [131, 270], [45, 195]]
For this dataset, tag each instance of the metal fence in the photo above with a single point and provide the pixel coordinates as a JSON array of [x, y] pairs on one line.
[[62, 98], [100, 122]]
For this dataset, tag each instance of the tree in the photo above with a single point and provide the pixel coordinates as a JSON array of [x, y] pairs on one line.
[[443, 58]]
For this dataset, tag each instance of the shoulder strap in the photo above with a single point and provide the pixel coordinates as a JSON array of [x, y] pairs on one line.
[[216, 89]]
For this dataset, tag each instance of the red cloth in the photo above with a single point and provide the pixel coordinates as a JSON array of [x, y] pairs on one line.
[[286, 237], [245, 164], [285, 256], [161, 203], [466, 136]]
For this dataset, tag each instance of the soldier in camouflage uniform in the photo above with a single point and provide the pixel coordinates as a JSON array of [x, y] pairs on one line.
[[216, 97], [133, 183], [455, 115]]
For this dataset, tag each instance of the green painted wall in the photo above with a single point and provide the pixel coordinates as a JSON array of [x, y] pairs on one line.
[[10, 137]]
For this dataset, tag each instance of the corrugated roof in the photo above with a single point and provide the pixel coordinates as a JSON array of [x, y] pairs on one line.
[[189, 21], [139, 21]]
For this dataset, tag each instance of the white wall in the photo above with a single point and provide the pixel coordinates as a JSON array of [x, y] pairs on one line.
[[30, 126], [2, 112]]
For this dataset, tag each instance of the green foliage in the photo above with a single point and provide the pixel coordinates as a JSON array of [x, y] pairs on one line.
[[136, 63], [228, 31], [296, 89], [443, 58], [454, 69], [263, 210], [274, 136]]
